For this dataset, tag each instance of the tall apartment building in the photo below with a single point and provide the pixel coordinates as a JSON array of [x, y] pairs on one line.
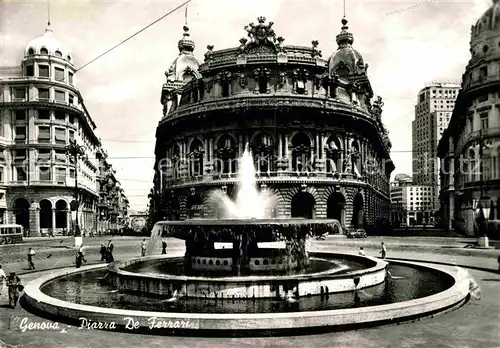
[[41, 113], [432, 114]]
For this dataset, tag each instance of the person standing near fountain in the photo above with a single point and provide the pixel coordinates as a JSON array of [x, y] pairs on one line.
[[164, 247], [13, 282], [109, 254], [31, 253], [383, 251], [144, 247], [361, 251]]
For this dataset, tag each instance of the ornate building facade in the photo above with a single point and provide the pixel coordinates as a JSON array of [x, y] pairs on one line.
[[470, 146], [317, 138], [42, 112]]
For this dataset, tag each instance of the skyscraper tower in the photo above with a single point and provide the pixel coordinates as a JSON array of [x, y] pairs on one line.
[[432, 114]]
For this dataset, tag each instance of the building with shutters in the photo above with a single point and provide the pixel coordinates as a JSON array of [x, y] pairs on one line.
[[41, 112]]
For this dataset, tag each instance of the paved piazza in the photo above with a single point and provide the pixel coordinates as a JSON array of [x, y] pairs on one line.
[[474, 325]]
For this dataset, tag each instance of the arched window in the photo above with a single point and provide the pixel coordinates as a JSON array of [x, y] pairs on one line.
[[196, 158], [301, 152], [355, 158], [175, 157], [58, 53], [44, 51], [31, 51], [68, 58], [262, 147], [472, 165], [332, 151], [226, 155]]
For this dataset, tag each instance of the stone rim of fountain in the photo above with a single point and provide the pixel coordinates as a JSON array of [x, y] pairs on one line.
[[237, 324], [117, 267]]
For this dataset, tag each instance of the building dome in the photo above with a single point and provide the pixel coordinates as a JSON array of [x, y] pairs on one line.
[[47, 44], [346, 61], [185, 66], [489, 21]]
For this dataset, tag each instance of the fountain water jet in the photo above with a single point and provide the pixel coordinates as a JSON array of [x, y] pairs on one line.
[[249, 202]]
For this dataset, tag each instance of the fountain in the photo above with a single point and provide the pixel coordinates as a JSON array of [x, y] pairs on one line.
[[245, 272]]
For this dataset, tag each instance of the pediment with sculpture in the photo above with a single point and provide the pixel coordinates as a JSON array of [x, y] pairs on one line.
[[262, 39]]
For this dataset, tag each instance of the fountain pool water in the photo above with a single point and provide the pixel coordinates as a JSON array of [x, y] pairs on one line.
[[263, 279]]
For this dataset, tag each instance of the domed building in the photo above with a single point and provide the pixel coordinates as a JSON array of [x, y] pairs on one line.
[[469, 148], [42, 112], [316, 135]]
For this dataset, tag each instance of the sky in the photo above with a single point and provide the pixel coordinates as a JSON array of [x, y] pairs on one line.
[[406, 44]]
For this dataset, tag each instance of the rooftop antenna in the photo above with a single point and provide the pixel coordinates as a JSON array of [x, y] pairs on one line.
[[186, 16], [48, 13], [344, 7]]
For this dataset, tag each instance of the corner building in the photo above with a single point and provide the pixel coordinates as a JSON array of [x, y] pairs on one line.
[[42, 111], [317, 138], [470, 146]]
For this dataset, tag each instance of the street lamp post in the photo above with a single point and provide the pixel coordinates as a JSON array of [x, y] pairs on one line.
[[76, 151]]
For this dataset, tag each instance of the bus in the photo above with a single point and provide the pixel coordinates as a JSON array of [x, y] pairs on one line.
[[11, 233]]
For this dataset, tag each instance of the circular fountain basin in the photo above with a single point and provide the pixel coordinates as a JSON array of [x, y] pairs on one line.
[[291, 318], [333, 277]]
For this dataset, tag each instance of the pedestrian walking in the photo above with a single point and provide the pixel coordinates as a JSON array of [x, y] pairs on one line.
[[383, 251], [361, 252], [164, 247], [14, 283], [31, 253], [144, 247]]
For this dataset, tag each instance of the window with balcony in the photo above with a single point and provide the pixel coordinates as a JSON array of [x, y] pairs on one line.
[[19, 155], [59, 74], [43, 71], [60, 116], [61, 175], [72, 173], [61, 156], [30, 71], [43, 157], [43, 114], [20, 115], [71, 119], [44, 173], [484, 120], [60, 96], [20, 134], [483, 72], [482, 98], [71, 99], [20, 174], [44, 135], [71, 135], [300, 87], [43, 93], [19, 93], [60, 135], [70, 78]]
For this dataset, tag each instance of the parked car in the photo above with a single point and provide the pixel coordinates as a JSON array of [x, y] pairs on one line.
[[357, 234]]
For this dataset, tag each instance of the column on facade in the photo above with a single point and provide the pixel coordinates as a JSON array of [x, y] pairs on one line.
[[53, 221], [34, 214], [211, 149], [280, 146]]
